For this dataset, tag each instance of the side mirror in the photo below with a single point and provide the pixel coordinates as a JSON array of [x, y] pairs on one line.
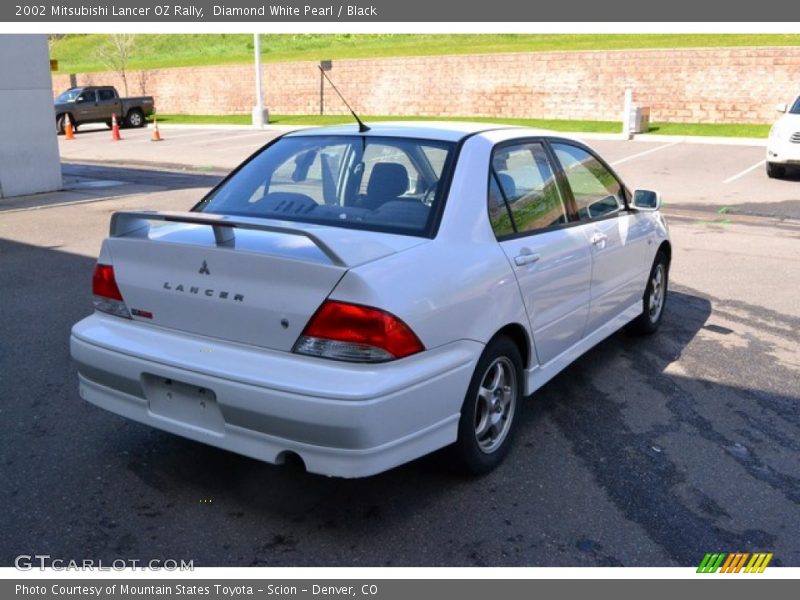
[[646, 200], [782, 108], [80, 99], [602, 207]]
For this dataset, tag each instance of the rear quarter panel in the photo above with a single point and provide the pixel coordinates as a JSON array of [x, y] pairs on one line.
[[444, 292], [458, 286]]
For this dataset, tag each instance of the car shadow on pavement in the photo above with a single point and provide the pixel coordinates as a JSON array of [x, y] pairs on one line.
[[89, 182], [175, 179], [624, 458]]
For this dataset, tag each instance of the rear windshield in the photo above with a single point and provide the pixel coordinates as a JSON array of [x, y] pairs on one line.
[[385, 184]]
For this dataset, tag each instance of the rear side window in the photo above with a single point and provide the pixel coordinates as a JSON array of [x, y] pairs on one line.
[[596, 191], [386, 184], [523, 183], [105, 95]]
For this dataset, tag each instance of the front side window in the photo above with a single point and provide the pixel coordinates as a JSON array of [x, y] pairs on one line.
[[522, 177], [378, 183], [87, 96], [596, 191], [67, 96]]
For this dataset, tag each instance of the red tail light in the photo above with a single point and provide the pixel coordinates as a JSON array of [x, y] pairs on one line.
[[356, 333], [104, 284], [106, 295]]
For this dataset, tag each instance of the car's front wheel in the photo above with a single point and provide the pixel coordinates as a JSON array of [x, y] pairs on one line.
[[491, 409], [775, 170], [654, 298]]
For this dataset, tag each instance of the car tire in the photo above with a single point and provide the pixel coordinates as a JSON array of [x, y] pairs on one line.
[[490, 411], [60, 125], [135, 118], [109, 124], [775, 170], [654, 298]]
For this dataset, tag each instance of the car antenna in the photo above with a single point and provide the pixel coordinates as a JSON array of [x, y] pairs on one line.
[[361, 127]]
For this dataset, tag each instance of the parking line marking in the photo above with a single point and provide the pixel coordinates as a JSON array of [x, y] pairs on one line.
[[169, 134], [227, 138], [745, 172], [645, 153], [248, 145]]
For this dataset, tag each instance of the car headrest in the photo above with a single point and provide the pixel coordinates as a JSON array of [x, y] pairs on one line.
[[387, 181]]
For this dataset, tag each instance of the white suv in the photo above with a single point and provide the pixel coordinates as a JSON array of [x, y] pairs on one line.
[[358, 299], [783, 146]]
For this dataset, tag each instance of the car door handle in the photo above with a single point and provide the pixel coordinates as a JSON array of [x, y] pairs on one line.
[[599, 239], [526, 259]]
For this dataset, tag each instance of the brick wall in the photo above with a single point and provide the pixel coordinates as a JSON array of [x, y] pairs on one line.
[[730, 85]]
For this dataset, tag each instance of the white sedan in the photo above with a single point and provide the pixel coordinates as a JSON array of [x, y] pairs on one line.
[[783, 145], [358, 299]]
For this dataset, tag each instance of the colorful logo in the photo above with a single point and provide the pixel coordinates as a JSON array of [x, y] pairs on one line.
[[734, 562]]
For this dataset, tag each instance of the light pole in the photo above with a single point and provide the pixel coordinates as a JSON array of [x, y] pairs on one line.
[[258, 109]]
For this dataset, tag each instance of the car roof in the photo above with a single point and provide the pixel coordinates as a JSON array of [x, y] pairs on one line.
[[449, 131]]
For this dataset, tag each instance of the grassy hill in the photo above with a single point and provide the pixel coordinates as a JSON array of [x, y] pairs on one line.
[[78, 53]]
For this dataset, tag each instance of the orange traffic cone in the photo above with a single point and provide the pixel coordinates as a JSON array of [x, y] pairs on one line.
[[114, 128], [69, 132], [156, 137]]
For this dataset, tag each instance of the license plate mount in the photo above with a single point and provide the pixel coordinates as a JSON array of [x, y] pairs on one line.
[[186, 403]]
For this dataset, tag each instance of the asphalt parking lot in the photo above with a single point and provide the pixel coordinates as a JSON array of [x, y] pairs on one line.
[[645, 452]]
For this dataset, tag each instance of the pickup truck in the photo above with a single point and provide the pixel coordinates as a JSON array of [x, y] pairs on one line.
[[96, 104]]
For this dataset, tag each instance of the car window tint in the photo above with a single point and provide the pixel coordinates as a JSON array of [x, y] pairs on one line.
[[499, 214], [436, 157], [377, 153], [105, 95], [88, 96], [311, 173], [390, 184], [597, 192], [525, 177]]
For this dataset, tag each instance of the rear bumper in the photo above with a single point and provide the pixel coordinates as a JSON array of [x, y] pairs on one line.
[[342, 419]]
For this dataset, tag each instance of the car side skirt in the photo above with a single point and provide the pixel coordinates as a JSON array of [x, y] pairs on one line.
[[538, 375]]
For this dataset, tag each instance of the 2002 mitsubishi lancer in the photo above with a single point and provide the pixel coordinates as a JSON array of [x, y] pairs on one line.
[[360, 297]]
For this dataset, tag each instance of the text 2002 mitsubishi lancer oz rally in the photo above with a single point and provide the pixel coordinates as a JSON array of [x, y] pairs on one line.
[[360, 297]]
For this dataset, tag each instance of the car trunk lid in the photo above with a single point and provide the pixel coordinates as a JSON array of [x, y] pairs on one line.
[[252, 281]]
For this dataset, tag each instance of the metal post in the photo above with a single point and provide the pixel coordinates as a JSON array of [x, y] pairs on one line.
[[258, 109], [626, 116], [324, 65], [321, 93]]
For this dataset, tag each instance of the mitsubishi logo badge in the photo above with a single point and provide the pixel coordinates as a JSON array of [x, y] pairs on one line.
[[204, 269]]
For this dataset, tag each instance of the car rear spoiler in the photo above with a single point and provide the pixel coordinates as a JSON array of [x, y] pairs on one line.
[[137, 224]]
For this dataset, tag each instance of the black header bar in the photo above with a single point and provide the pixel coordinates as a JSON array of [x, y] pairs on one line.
[[394, 11]]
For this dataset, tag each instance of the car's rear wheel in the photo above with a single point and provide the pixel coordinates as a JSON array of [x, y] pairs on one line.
[[135, 118], [654, 298], [491, 409], [60, 124], [775, 170]]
